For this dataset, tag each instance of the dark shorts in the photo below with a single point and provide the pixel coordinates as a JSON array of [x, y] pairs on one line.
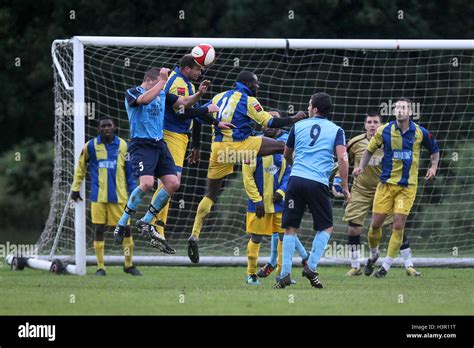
[[302, 193], [151, 157]]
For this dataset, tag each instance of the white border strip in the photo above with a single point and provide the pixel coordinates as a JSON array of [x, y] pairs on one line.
[[389, 44]]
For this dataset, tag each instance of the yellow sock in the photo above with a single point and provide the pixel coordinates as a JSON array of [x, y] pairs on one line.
[[374, 236], [99, 253], [253, 250], [202, 211], [395, 243], [280, 256], [162, 215], [128, 250]]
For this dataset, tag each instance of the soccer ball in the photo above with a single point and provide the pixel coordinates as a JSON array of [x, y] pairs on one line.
[[204, 55]]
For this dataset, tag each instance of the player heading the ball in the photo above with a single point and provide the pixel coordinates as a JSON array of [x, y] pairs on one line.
[[149, 155]]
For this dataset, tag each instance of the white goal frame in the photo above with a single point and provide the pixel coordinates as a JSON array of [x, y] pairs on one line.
[[77, 87]]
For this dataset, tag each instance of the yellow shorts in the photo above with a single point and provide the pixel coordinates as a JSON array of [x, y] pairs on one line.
[[390, 198], [177, 144], [106, 213], [266, 225], [225, 154], [359, 206]]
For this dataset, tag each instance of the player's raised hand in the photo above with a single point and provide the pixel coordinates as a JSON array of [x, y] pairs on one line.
[[212, 108], [260, 210], [164, 73], [430, 174], [225, 125], [357, 171], [203, 87], [194, 156]]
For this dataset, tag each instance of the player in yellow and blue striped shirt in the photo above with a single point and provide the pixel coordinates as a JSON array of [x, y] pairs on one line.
[[177, 129], [240, 107], [265, 182], [112, 180], [402, 140]]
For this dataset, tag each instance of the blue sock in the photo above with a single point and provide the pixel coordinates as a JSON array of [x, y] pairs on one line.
[[319, 245], [300, 249], [274, 250], [132, 205], [288, 251], [158, 203]]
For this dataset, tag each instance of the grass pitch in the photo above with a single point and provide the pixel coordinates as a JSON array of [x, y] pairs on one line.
[[222, 291]]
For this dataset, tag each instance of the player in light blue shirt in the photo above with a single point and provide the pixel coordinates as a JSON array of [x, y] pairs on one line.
[[149, 155], [310, 150]]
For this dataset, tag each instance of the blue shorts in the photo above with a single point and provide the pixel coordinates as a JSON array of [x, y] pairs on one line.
[[151, 157], [302, 193]]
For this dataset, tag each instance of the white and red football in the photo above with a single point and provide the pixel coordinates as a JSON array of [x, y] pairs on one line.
[[204, 55]]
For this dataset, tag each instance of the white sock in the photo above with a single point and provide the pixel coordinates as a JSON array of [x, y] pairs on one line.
[[374, 252], [355, 258], [406, 253], [387, 263]]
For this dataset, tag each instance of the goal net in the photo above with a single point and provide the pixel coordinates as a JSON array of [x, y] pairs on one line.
[[360, 75]]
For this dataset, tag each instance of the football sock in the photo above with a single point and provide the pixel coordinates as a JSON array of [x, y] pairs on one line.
[[156, 205], [202, 211], [128, 251], [135, 198], [406, 253], [387, 263], [287, 254], [280, 255], [374, 236], [354, 248], [300, 248], [320, 242], [274, 250], [253, 250], [162, 215], [99, 253], [394, 243]]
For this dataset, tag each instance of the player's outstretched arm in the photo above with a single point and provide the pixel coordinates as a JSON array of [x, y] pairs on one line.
[[152, 93], [276, 122], [189, 101]]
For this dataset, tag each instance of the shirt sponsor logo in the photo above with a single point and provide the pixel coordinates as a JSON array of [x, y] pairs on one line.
[[272, 170], [402, 154], [108, 164], [257, 106]]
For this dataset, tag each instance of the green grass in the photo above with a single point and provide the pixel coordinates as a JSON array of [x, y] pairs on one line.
[[223, 291]]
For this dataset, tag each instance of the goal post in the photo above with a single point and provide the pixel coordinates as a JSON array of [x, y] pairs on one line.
[[91, 75]]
